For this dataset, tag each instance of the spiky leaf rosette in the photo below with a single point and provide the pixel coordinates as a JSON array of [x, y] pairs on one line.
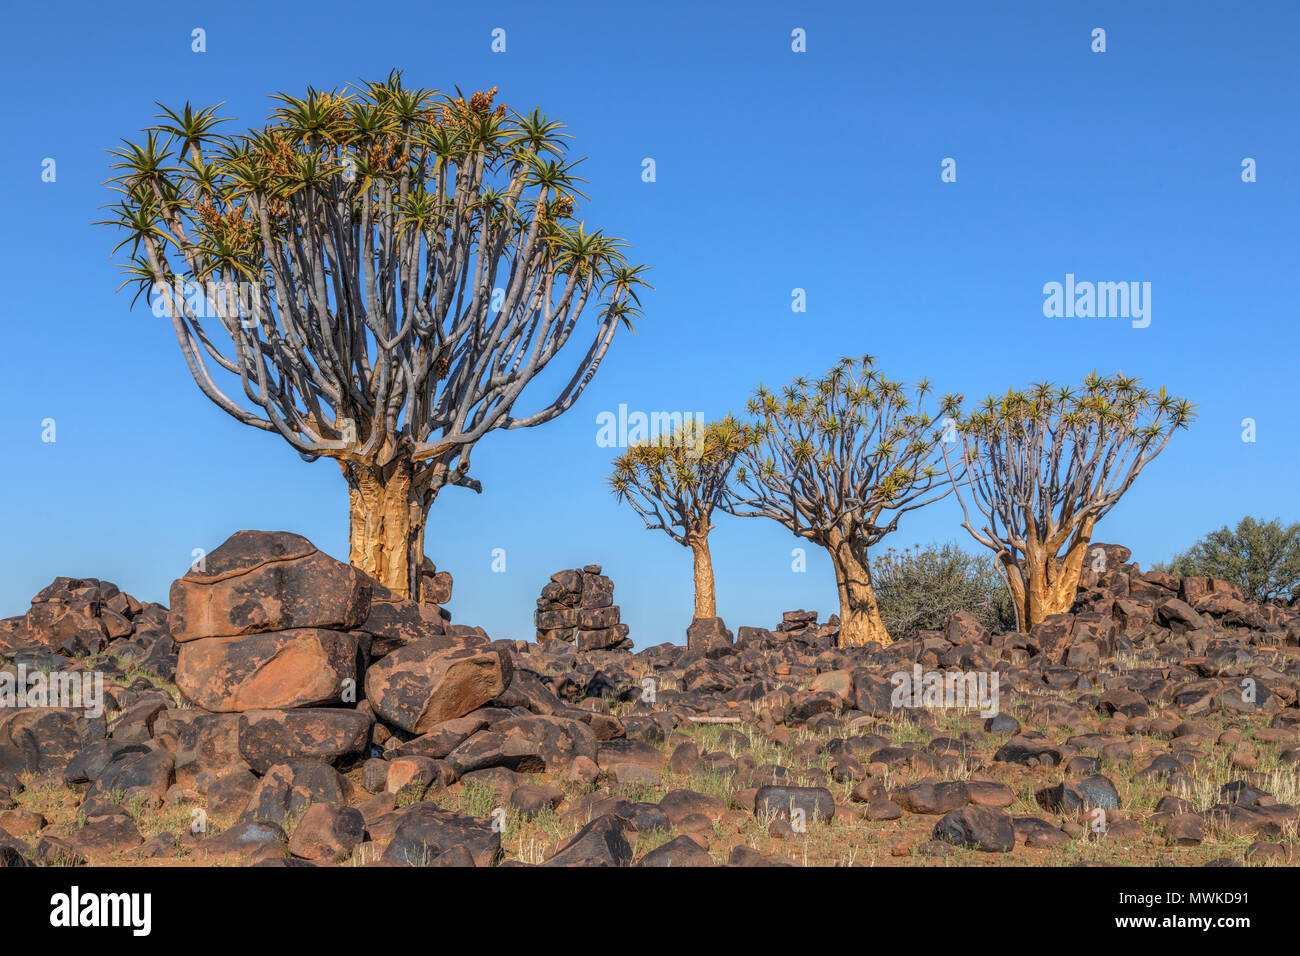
[[390, 267], [1043, 461], [674, 482], [846, 454]]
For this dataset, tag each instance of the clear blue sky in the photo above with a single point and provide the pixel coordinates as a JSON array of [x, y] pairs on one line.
[[776, 171]]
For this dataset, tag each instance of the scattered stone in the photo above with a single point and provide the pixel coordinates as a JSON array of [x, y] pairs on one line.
[[682, 851], [314, 702], [327, 833], [600, 843], [979, 828], [425, 832]]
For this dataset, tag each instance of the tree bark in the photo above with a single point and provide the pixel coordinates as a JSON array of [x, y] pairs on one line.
[[860, 621], [386, 528], [1015, 583], [705, 598], [1050, 583]]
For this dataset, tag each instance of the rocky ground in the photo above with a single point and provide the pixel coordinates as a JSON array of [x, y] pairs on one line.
[[289, 710]]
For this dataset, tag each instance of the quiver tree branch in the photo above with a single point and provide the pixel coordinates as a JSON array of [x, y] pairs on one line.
[[376, 276]]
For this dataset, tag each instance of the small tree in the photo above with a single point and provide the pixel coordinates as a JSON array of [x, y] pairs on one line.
[[1044, 465], [1262, 558], [675, 482], [919, 588], [838, 461], [375, 276]]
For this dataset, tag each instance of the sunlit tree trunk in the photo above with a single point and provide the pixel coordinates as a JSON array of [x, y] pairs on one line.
[[705, 600], [1015, 583], [388, 512], [1050, 583], [860, 621]]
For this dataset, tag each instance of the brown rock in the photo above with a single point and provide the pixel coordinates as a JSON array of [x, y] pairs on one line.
[[986, 794], [274, 671], [230, 793], [269, 737], [413, 775], [394, 622], [261, 581], [934, 798], [1184, 829], [435, 679], [288, 789], [327, 833], [206, 743]]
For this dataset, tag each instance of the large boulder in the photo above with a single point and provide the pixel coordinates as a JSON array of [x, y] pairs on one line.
[[682, 851], [601, 842], [270, 737], [526, 745], [439, 678], [132, 774], [205, 743], [327, 833], [305, 667], [261, 581], [709, 637], [72, 616], [71, 628]]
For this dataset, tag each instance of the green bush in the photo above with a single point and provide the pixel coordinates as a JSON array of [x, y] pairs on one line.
[[918, 588], [1262, 558]]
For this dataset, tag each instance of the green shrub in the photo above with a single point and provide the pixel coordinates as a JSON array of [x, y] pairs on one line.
[[1262, 558], [918, 588]]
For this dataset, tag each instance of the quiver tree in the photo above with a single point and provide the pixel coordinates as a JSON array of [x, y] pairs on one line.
[[838, 461], [674, 482], [375, 276], [1043, 465]]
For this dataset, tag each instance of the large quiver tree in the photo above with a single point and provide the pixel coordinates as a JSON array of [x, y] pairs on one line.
[[1043, 465], [382, 273], [839, 461]]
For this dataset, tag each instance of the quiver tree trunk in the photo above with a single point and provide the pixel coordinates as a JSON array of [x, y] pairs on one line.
[[1048, 584], [705, 599], [860, 621], [386, 531]]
